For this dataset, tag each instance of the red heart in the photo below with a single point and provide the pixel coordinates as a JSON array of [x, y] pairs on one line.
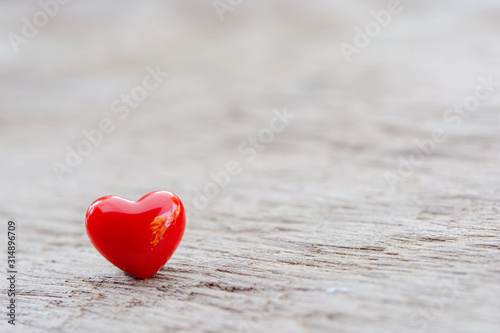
[[137, 237]]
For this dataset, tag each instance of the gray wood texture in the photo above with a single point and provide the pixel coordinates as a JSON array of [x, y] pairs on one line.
[[309, 236]]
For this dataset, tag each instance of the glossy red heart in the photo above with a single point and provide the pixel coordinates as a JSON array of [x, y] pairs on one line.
[[137, 237]]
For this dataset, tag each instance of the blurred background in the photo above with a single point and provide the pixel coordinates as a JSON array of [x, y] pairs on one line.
[[326, 177], [225, 78]]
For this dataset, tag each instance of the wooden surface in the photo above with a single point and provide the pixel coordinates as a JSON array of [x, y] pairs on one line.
[[309, 237]]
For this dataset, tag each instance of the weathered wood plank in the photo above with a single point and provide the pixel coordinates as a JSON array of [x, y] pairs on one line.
[[310, 236]]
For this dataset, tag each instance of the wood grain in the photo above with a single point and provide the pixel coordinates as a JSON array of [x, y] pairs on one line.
[[309, 237]]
